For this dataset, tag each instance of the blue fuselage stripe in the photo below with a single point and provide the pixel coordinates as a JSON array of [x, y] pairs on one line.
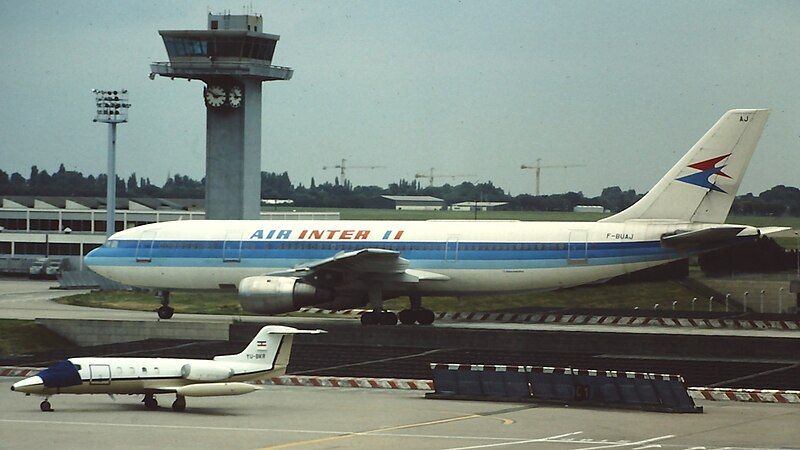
[[423, 255]]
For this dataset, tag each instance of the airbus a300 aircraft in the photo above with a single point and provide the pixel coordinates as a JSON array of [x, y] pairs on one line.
[[281, 266], [265, 357]]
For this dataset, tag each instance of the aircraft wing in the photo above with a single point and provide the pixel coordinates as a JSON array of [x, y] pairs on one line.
[[777, 231], [374, 263], [700, 238]]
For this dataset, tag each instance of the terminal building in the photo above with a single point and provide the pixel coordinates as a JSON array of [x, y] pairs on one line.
[[73, 226]]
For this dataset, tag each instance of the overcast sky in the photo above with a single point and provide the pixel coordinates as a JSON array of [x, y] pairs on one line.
[[467, 87]]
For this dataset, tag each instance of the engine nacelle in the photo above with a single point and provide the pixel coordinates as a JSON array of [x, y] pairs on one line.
[[205, 371], [275, 295]]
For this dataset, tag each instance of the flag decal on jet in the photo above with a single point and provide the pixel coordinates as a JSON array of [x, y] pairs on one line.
[[261, 345], [707, 168]]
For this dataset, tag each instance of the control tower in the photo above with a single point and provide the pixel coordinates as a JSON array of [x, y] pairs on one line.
[[233, 57]]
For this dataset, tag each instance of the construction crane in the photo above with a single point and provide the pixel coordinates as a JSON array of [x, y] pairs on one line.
[[537, 170], [344, 166], [431, 176]]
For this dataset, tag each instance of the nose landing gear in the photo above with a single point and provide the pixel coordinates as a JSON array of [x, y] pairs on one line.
[[45, 406]]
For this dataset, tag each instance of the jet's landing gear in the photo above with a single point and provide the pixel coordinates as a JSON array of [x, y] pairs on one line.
[[150, 401], [164, 311], [45, 406], [179, 404], [417, 314], [377, 316]]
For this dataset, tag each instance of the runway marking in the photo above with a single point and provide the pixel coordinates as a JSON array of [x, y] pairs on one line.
[[363, 363], [629, 444], [378, 432], [249, 429], [525, 441]]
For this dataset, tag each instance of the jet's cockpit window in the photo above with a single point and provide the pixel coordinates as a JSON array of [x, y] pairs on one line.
[[77, 367], [111, 244]]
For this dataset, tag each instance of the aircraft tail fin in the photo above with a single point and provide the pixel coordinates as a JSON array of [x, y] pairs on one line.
[[271, 346], [702, 185]]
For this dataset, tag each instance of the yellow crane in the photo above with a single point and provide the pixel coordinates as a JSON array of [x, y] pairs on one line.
[[537, 170], [344, 166], [431, 176]]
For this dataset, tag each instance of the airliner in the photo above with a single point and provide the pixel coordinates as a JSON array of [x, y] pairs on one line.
[[266, 356], [282, 266]]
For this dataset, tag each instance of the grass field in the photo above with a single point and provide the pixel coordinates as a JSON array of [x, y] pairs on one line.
[[24, 336], [641, 295]]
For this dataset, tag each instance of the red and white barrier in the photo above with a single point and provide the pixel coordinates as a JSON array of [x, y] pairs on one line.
[[582, 319], [370, 383], [10, 371], [744, 395]]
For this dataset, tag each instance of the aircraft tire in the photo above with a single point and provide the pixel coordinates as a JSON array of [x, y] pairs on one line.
[[407, 317], [45, 406], [425, 316], [370, 318], [179, 404], [388, 318], [150, 403], [165, 312]]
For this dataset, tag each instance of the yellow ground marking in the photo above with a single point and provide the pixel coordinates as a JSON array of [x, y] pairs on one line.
[[382, 430]]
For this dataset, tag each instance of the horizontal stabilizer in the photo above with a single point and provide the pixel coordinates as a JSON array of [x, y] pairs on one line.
[[778, 231], [707, 237]]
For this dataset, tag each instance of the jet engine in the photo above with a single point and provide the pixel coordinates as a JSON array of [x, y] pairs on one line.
[[275, 295], [205, 371]]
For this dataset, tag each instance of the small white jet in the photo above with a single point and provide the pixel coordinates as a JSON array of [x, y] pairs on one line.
[[266, 356]]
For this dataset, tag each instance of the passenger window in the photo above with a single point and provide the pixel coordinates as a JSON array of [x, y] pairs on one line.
[[144, 369]]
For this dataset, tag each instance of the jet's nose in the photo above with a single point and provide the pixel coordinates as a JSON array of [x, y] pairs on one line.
[[29, 385]]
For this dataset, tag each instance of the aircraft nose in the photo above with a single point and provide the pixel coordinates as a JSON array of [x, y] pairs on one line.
[[30, 384]]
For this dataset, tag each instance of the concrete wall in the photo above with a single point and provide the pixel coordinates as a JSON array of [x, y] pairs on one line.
[[98, 332]]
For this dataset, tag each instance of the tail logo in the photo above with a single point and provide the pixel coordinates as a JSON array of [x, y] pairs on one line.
[[707, 168], [261, 345]]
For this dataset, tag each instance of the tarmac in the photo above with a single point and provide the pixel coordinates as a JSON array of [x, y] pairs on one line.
[[322, 418]]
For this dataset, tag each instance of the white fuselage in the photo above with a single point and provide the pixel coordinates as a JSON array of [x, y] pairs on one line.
[[476, 256]]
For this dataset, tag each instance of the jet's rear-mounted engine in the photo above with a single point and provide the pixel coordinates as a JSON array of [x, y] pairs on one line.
[[275, 295], [205, 371]]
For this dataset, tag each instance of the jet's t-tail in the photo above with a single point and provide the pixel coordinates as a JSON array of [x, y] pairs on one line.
[[702, 185]]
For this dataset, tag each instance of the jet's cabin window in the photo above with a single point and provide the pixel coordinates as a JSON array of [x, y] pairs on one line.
[[144, 369]]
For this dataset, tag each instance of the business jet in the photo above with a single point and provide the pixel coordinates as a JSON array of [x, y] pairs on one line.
[[265, 357], [281, 266]]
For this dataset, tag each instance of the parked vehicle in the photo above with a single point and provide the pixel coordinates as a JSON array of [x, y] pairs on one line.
[[38, 268]]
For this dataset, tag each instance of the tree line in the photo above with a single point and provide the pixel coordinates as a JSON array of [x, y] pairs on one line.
[[779, 200]]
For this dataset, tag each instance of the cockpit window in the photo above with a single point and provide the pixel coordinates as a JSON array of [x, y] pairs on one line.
[[111, 243], [77, 366]]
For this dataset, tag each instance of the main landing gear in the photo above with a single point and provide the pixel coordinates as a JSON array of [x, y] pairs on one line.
[[150, 402], [45, 406], [378, 316], [164, 311]]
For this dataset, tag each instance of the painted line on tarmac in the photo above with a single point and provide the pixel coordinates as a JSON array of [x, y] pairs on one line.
[[527, 441], [251, 429]]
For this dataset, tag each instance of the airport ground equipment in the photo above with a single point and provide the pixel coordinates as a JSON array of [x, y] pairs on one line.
[[564, 386], [233, 57]]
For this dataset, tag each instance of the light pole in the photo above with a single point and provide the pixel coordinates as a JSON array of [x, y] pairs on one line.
[[112, 108]]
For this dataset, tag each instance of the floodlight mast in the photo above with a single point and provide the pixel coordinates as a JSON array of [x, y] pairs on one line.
[[112, 108]]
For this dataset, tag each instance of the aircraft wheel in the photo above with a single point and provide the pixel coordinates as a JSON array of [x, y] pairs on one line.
[[370, 318], [425, 316], [165, 312], [407, 317], [388, 318], [150, 402], [45, 406], [179, 404]]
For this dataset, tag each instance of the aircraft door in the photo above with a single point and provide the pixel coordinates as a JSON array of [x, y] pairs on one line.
[[144, 247], [99, 374], [577, 249], [451, 249], [232, 247]]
